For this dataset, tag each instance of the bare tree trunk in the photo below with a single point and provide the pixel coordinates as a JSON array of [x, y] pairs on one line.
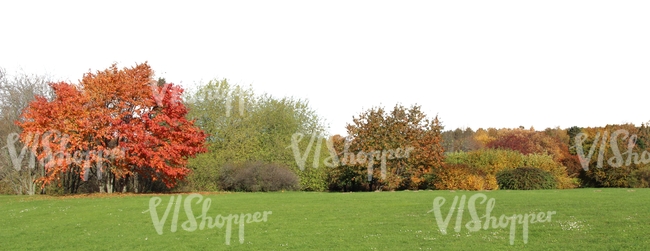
[[109, 182], [100, 184], [135, 182], [31, 186]]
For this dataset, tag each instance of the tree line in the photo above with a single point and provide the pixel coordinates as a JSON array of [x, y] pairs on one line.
[[127, 130]]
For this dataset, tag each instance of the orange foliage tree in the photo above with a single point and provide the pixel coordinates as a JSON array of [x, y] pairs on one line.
[[119, 121], [404, 142]]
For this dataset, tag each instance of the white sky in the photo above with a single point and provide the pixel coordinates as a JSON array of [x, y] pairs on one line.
[[474, 63]]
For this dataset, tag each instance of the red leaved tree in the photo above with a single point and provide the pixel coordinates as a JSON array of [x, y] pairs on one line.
[[118, 125]]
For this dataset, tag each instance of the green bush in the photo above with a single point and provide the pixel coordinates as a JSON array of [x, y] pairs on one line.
[[525, 178], [640, 178], [204, 175], [257, 176], [345, 179]]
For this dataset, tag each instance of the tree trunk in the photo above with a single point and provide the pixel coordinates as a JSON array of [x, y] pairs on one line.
[[135, 182]]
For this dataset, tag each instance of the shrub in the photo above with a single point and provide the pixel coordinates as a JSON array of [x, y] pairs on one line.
[[557, 170], [489, 161], [640, 178], [257, 176], [312, 179], [525, 178], [345, 179], [492, 161], [6, 188], [462, 177], [204, 175]]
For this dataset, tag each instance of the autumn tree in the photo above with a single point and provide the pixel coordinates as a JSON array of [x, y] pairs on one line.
[[120, 125], [551, 141], [394, 150], [483, 137], [612, 155], [520, 140]]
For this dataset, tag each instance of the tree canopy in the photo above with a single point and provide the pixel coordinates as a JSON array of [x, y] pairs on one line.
[[121, 121]]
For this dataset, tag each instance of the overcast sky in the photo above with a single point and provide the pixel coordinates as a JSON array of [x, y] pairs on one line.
[[474, 63]]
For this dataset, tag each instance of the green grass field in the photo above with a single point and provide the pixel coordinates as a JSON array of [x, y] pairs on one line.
[[585, 219]]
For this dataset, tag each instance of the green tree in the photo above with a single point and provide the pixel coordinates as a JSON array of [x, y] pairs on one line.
[[243, 126]]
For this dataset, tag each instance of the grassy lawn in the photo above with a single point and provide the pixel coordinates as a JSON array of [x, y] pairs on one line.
[[584, 219]]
